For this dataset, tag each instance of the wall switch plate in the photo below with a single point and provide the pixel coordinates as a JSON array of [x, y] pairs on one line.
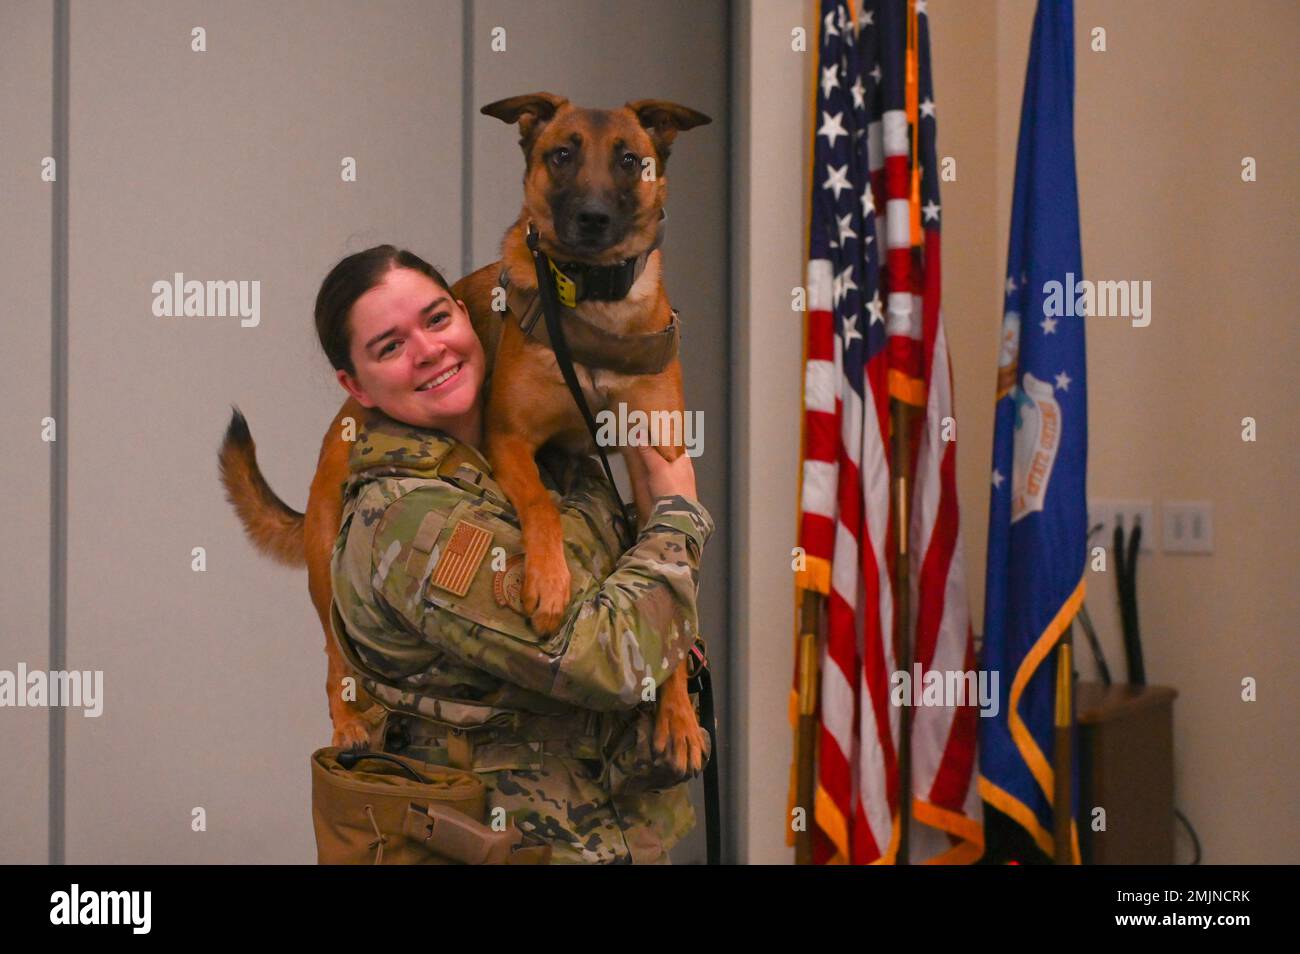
[[1126, 512], [1188, 525]]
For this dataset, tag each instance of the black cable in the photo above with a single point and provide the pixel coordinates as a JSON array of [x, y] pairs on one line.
[[1139, 675], [1121, 585], [349, 761], [1085, 620], [1196, 842]]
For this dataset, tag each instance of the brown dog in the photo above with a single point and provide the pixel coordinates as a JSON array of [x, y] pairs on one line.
[[594, 190]]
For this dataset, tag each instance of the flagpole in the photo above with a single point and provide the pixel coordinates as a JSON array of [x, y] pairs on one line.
[[902, 449], [1062, 764], [901, 422], [807, 763]]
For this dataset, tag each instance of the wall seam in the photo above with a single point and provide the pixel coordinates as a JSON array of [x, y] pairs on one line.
[[739, 57], [467, 139], [59, 412], [730, 834]]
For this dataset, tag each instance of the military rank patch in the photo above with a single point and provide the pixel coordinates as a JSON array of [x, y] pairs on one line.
[[508, 584], [461, 557]]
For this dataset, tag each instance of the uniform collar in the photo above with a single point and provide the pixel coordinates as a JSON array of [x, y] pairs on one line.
[[386, 447], [383, 442]]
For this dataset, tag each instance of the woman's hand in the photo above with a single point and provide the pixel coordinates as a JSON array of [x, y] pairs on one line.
[[666, 478]]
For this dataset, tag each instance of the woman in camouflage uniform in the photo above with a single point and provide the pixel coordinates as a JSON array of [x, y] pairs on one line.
[[426, 575]]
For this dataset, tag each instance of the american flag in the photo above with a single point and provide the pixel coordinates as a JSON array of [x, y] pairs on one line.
[[874, 333]]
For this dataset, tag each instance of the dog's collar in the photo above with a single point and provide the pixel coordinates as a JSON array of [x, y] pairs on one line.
[[580, 281], [591, 345]]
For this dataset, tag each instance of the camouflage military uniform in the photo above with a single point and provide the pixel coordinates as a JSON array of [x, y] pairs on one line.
[[426, 572]]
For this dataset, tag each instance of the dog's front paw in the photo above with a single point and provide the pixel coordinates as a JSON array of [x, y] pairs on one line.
[[351, 733], [545, 593], [678, 734]]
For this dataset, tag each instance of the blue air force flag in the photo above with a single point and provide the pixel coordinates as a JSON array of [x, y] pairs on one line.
[[1037, 549]]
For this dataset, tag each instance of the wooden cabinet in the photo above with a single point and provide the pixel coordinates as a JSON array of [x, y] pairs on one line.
[[1126, 765]]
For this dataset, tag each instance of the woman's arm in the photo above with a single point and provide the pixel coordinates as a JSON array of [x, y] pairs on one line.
[[621, 634]]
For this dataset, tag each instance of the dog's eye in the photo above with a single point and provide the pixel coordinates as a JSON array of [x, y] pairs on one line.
[[560, 156], [628, 161]]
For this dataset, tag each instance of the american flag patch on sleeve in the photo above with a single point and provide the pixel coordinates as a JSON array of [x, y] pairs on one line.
[[461, 557]]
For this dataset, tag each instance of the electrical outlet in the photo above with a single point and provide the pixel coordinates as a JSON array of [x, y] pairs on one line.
[[1188, 525], [1128, 513]]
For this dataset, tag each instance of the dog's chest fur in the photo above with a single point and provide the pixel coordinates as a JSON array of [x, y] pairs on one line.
[[601, 387], [598, 384], [630, 315]]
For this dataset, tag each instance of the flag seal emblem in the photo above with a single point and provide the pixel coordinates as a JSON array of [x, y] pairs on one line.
[[1038, 437]]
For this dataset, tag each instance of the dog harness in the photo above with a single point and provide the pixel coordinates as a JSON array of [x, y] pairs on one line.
[[591, 345]]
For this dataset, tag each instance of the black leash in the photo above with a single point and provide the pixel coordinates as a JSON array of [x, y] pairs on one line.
[[712, 797], [551, 311]]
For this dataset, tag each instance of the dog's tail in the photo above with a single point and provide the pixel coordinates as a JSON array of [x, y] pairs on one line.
[[276, 529]]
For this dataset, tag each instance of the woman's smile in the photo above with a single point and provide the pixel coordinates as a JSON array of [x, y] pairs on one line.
[[441, 380]]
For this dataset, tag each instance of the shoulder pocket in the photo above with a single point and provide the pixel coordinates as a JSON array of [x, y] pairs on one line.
[[474, 570]]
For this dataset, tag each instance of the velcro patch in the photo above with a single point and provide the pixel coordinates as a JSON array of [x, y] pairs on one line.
[[427, 535], [461, 556]]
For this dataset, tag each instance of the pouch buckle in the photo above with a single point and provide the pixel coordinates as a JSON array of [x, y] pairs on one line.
[[397, 737]]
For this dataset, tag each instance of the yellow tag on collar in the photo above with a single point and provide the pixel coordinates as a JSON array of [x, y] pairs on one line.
[[564, 285]]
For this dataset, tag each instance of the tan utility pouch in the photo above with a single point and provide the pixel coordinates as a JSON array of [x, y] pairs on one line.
[[390, 810]]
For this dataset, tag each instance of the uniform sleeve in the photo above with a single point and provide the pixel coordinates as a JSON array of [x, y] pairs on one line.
[[638, 624], [620, 634]]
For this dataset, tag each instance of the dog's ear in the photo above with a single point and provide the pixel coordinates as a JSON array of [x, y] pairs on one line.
[[531, 111], [664, 120]]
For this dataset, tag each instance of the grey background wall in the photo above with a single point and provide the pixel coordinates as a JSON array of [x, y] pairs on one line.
[[26, 54], [225, 165]]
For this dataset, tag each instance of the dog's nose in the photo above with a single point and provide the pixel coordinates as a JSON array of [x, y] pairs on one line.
[[593, 221]]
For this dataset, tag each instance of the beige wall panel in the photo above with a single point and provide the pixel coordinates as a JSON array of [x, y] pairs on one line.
[[222, 165]]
